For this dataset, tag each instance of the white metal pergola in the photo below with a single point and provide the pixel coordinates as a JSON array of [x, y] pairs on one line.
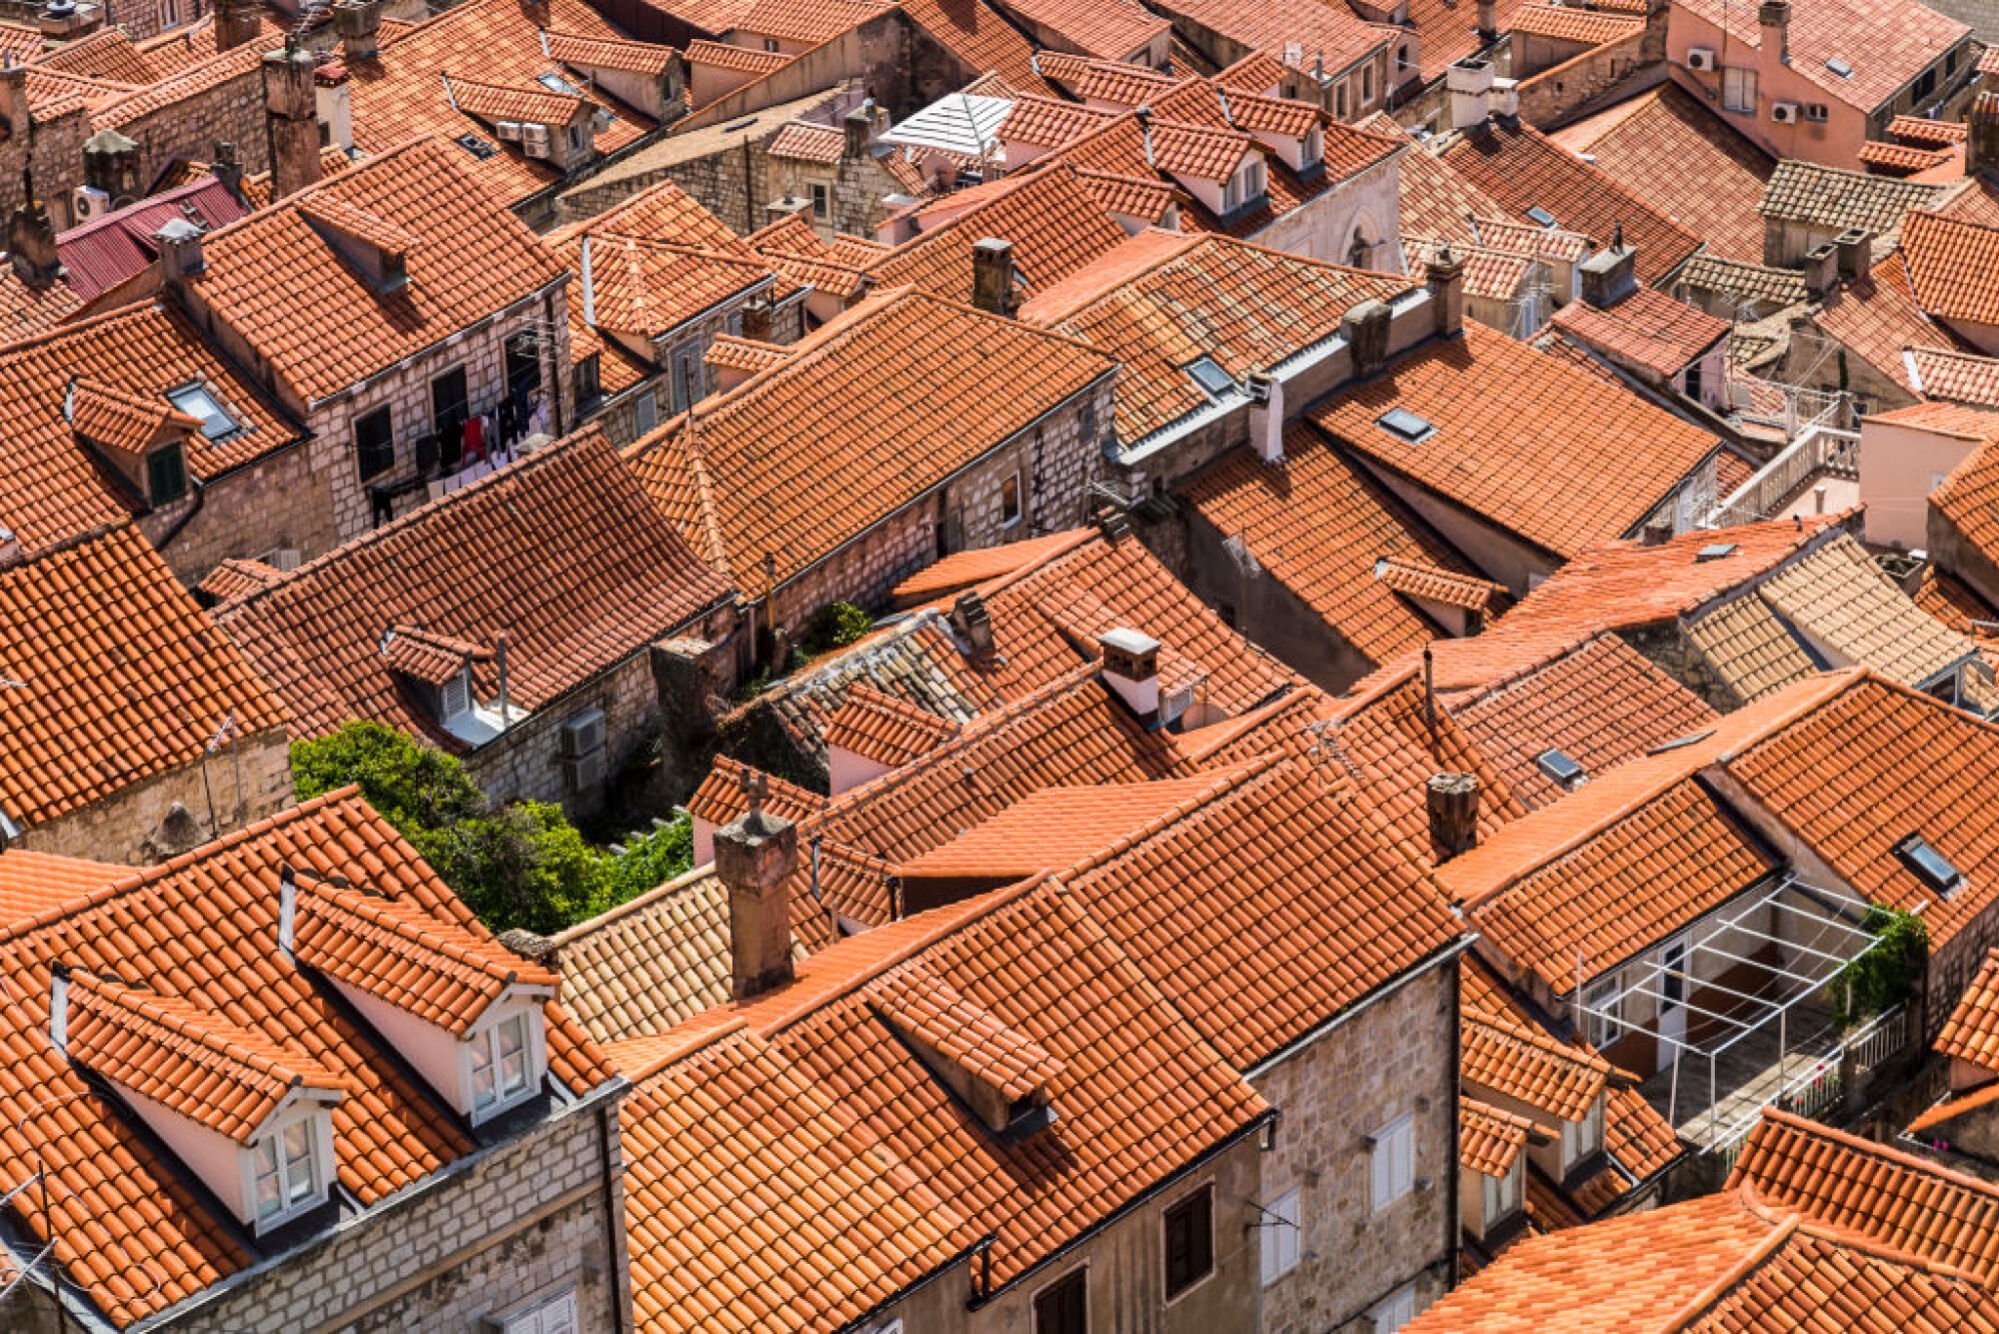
[[1827, 937]]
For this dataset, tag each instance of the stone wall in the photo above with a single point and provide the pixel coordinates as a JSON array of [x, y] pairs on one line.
[[283, 500], [231, 111], [54, 152], [143, 18], [524, 1220], [1565, 85], [1397, 1056], [163, 816]]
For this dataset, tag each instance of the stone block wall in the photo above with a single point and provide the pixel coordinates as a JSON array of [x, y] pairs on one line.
[[139, 825], [55, 154], [531, 1217], [145, 18], [284, 499], [231, 110], [1397, 1056], [1563, 85]]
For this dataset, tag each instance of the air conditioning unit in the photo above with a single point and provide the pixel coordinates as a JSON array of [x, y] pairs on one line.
[[581, 773], [536, 140], [583, 734], [89, 202], [509, 130], [1785, 113], [285, 559], [1700, 58]]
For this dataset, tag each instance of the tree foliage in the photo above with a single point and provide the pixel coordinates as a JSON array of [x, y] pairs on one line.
[[834, 625], [522, 864], [1891, 970]]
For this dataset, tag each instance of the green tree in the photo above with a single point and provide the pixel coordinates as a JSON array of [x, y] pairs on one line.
[[651, 859], [834, 625], [1888, 973], [411, 786]]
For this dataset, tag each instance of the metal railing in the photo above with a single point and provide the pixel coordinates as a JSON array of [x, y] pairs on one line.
[[1821, 1087]]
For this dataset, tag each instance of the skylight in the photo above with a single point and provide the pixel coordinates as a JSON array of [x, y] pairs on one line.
[[1931, 867], [555, 83], [1840, 66], [1207, 373], [196, 401], [477, 147], [1405, 425], [1559, 767], [1715, 551], [1542, 216]]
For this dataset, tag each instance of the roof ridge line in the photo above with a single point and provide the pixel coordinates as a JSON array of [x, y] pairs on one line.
[[664, 890], [1227, 783], [1079, 538], [1720, 1288]]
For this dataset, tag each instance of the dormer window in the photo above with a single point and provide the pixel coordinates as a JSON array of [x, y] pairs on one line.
[[166, 474], [288, 1179], [1246, 186], [1314, 147], [500, 1066], [1502, 1194], [1003, 1077], [142, 438], [1580, 1139]]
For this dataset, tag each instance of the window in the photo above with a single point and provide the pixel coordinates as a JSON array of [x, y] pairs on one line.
[[1207, 373], [1405, 425], [198, 402], [1541, 216], [454, 697], [1502, 1195], [1603, 1005], [1842, 67], [821, 202], [1314, 148], [374, 444], [1926, 83], [477, 147], [1950, 63], [1010, 500], [1691, 385], [1340, 102], [1394, 1311], [1367, 85], [1281, 1236], [551, 1315], [1930, 866], [1560, 767], [1738, 90], [1392, 1163], [1064, 1306], [501, 1065], [166, 474], [590, 378], [770, 44], [1190, 1241], [1582, 1138], [555, 83], [286, 1173], [645, 410], [575, 138], [448, 405]]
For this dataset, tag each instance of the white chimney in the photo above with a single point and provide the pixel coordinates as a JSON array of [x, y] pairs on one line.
[[1470, 84], [1131, 668], [1266, 417]]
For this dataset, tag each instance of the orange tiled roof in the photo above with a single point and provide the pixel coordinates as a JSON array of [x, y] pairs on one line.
[[1108, 29], [720, 798], [1198, 151], [1048, 122], [1563, 23], [108, 53], [120, 422], [575, 567], [747, 355], [1333, 32], [1960, 376], [1950, 267], [1524, 169], [965, 569], [203, 930], [930, 1009], [237, 66], [650, 288], [1884, 46], [1971, 1033], [1257, 72], [1489, 1140], [1902, 159], [473, 259], [120, 677], [742, 59], [1528, 1066], [32, 883], [808, 143], [1492, 402], [807, 21], [1647, 329], [1095, 79], [224, 1077], [856, 401], [884, 728], [981, 38], [1430, 583], [1967, 495], [594, 51]]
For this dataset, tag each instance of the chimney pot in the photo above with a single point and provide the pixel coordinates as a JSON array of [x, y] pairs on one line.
[[179, 244], [1446, 273], [1365, 328], [359, 25], [1856, 252], [1610, 275], [754, 859], [1776, 15], [31, 239], [992, 276], [1131, 669], [1452, 801], [1488, 21]]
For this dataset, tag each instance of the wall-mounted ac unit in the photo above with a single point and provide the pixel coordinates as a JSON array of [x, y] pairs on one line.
[[583, 733], [89, 202], [536, 140], [581, 773], [1785, 113], [1700, 58], [509, 130]]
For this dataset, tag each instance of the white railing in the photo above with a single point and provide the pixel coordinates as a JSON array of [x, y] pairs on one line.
[[1791, 407], [1820, 452], [1821, 1086]]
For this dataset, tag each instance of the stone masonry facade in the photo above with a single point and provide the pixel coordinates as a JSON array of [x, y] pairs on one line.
[[1396, 1057], [531, 1217], [280, 502], [170, 813]]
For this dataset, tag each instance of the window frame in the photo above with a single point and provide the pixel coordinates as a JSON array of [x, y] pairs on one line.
[[1399, 1303], [387, 445], [1195, 1209], [822, 201], [1743, 78], [309, 1121], [232, 427], [1078, 1279], [1604, 991], [645, 409], [1384, 1194], [538, 1310], [1012, 490], [1584, 1138], [172, 458], [1500, 1197], [486, 1043], [1288, 1211]]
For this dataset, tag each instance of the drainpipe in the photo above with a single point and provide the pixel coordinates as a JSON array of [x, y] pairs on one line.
[[500, 652]]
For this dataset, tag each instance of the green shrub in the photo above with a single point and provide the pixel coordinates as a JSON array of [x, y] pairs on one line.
[[835, 625], [1889, 973]]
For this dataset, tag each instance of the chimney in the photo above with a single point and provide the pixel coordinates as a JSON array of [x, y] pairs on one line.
[[179, 244], [1982, 151], [14, 99], [291, 118], [992, 276], [62, 21], [237, 22], [1610, 274], [1365, 328], [1470, 85], [975, 623], [754, 858], [31, 239], [359, 24], [1822, 269], [228, 168], [1446, 272], [111, 164], [287, 910], [1266, 417], [859, 125], [333, 105], [1131, 668], [1856, 254], [1774, 16], [59, 1007], [1655, 533], [1488, 21], [1452, 800]]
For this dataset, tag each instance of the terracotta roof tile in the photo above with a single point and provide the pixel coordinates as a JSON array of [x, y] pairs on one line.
[[1573, 25], [1884, 46], [1489, 1140], [967, 569], [119, 421], [1047, 122], [1049, 214], [1819, 1282], [885, 728], [238, 66], [931, 1010], [1487, 389], [1878, 318], [1713, 273], [1094, 79], [1525, 1065], [1647, 330], [1842, 600], [978, 35], [807, 143], [1950, 266], [1838, 199], [1430, 583], [1109, 29], [108, 53], [1902, 159], [650, 288], [807, 21], [720, 797], [121, 678], [33, 883], [856, 402], [742, 59], [1966, 499], [1971, 1033], [1256, 72], [1749, 647], [1959, 376], [576, 568], [1333, 31], [594, 51]]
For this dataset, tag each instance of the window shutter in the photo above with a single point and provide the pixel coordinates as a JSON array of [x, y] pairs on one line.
[[1383, 1187]]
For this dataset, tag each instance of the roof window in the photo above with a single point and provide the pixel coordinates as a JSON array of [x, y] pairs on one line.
[[1208, 373], [1405, 425], [1542, 216], [1840, 66], [198, 402], [555, 83], [1931, 867], [1715, 551], [1560, 767], [477, 147]]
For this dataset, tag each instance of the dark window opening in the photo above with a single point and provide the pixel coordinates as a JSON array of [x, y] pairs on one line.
[[1065, 1307], [448, 410], [375, 443], [1190, 1241], [166, 475]]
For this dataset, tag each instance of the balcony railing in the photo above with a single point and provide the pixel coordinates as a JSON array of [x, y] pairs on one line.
[[1820, 451]]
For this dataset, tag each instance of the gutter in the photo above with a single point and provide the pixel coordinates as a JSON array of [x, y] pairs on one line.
[[1311, 1037]]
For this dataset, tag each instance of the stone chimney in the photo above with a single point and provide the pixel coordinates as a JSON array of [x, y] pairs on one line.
[[859, 127], [1774, 17], [1446, 273], [1452, 801], [992, 276], [1488, 21], [178, 242], [14, 99], [754, 859], [359, 24], [1655, 533], [291, 118], [228, 168], [64, 21], [1131, 670], [1856, 254], [31, 239], [237, 22], [111, 164], [1611, 274], [1266, 417], [1365, 328], [1981, 152], [1822, 269]]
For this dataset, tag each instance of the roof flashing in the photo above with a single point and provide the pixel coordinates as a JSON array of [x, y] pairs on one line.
[[1929, 866]]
